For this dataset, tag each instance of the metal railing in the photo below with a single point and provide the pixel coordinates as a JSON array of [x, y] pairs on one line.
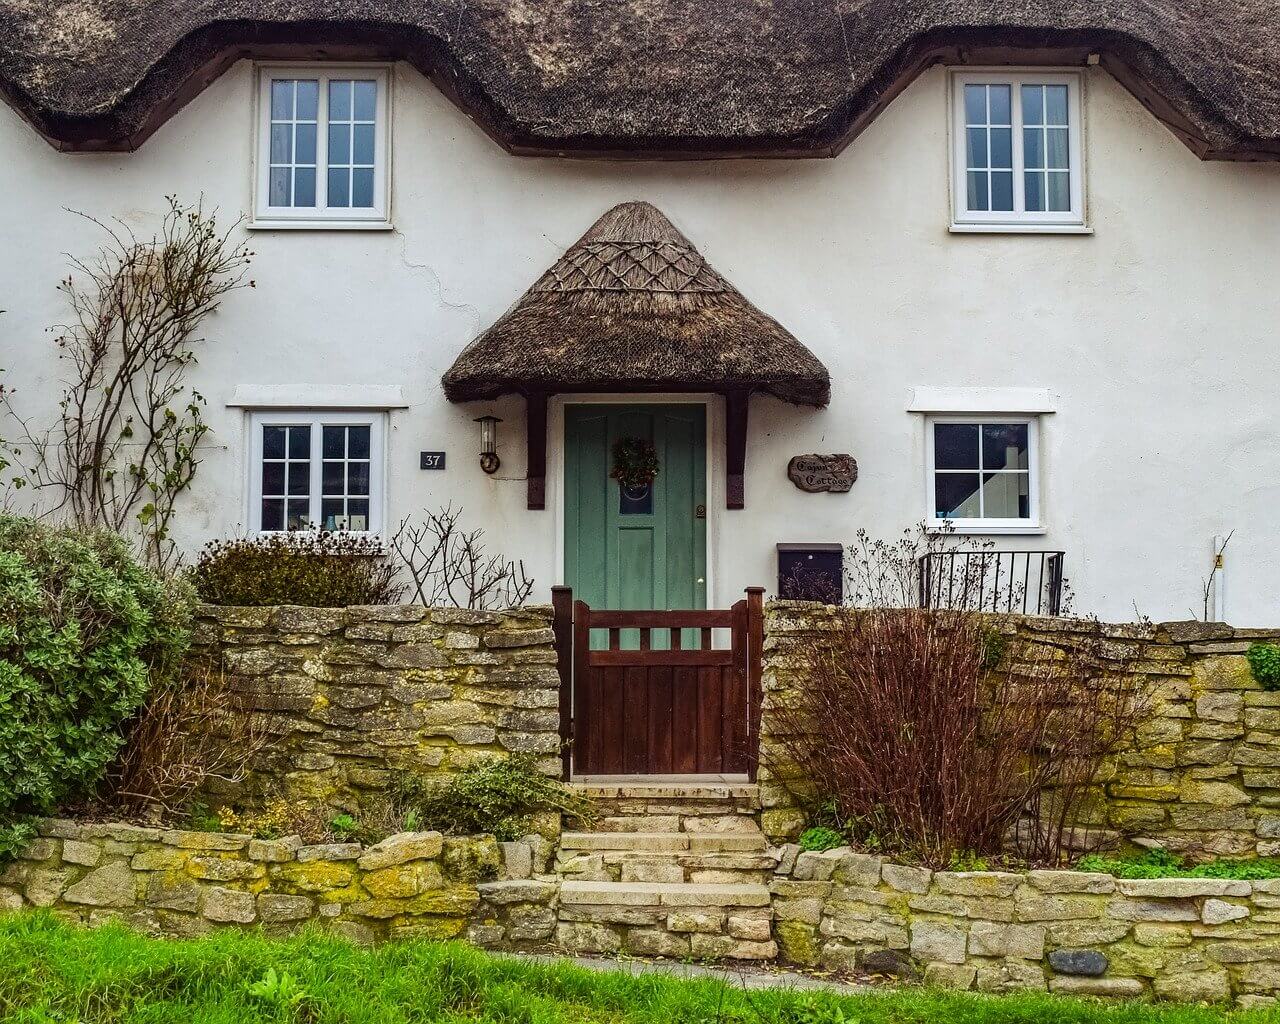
[[1026, 582]]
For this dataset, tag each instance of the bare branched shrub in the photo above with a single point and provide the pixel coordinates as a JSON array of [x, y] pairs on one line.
[[447, 565], [126, 444], [193, 730], [897, 721]]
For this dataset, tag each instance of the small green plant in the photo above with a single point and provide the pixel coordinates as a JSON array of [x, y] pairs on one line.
[[820, 838], [967, 860], [1264, 660], [201, 819], [281, 991], [1163, 864], [308, 567], [499, 796], [344, 825], [994, 644]]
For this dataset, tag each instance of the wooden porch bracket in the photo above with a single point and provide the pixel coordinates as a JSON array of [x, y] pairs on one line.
[[536, 433], [562, 627], [735, 441]]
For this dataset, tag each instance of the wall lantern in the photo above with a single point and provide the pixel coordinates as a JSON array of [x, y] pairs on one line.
[[489, 460]]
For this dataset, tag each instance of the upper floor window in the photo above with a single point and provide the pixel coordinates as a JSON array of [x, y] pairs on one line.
[[1017, 160], [316, 470], [323, 147], [983, 473]]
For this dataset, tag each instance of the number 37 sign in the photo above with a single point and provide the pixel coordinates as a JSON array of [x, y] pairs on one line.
[[431, 460]]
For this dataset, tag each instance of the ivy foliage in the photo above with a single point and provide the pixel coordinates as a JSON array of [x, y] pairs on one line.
[[1264, 661], [1163, 864], [499, 796], [84, 630]]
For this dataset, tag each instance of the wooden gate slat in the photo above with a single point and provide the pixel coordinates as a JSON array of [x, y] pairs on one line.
[[709, 720], [684, 718], [635, 725]]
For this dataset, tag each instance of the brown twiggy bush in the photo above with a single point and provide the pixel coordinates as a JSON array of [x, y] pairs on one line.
[[899, 721], [190, 732]]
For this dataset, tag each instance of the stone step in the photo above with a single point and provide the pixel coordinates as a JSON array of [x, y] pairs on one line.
[[669, 791], [674, 807], [667, 842], [663, 894]]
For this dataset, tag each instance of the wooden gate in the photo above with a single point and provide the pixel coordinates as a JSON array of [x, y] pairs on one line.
[[667, 704]]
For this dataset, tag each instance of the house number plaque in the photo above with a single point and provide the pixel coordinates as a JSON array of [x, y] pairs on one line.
[[431, 460], [814, 473]]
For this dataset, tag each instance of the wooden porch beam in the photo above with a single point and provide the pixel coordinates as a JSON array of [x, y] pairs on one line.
[[735, 440], [536, 433]]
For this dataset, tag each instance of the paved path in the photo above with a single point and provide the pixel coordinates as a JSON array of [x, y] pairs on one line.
[[748, 978]]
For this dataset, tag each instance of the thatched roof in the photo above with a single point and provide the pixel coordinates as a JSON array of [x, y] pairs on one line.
[[633, 306], [646, 77]]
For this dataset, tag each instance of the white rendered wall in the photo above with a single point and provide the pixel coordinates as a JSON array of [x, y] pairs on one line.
[[1158, 335]]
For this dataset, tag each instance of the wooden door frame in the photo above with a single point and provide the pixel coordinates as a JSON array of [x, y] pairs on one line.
[[714, 488]]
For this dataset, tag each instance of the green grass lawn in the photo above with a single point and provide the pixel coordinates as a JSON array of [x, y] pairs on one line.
[[50, 972]]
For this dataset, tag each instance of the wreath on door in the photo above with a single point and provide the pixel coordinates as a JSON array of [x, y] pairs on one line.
[[635, 462]]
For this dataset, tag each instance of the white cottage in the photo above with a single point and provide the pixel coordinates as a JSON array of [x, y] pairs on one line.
[[1018, 260]]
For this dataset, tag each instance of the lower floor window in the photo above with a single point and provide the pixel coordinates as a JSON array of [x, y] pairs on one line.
[[316, 470], [983, 471]]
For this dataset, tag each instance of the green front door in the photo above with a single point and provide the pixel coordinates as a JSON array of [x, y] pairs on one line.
[[636, 550]]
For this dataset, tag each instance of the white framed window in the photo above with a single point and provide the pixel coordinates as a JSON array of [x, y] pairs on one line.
[[983, 473], [310, 469], [1017, 151], [323, 146]]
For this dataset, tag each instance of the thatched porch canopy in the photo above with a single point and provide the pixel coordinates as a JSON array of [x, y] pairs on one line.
[[633, 306]]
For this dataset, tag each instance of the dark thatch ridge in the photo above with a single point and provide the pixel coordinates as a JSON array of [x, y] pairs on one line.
[[633, 306], [666, 78]]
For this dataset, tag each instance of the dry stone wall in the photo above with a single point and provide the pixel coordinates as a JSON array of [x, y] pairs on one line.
[[1202, 775], [178, 884], [350, 695], [1183, 939]]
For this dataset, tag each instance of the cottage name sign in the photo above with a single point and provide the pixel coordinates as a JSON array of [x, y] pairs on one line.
[[814, 473]]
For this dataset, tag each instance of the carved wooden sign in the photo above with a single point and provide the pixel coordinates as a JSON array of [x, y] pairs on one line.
[[815, 473]]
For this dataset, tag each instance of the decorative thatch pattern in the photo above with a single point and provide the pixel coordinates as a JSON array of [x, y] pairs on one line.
[[633, 306], [646, 77]]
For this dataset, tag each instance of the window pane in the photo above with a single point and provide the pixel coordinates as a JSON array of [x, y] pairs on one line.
[[308, 97], [299, 515], [977, 147], [299, 478], [1057, 151], [358, 442], [362, 187], [273, 478], [339, 144], [306, 147], [331, 478], [1000, 104], [330, 510], [340, 100], [338, 183], [358, 478], [279, 187], [335, 442], [281, 148], [1033, 104], [955, 445], [1004, 496], [272, 514], [1004, 446], [956, 496], [975, 104], [273, 442], [304, 186], [1055, 97], [1060, 192], [366, 100], [1033, 147], [1001, 147], [299, 442], [1002, 191], [1035, 191], [977, 190], [363, 144], [282, 100], [358, 507]]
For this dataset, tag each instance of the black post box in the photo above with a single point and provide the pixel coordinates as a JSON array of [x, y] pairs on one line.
[[811, 572]]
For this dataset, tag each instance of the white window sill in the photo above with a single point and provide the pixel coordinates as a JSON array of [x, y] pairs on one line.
[[320, 225], [1029, 228], [977, 529]]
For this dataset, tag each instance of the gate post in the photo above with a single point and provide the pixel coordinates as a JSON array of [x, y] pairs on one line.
[[562, 626], [755, 671]]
